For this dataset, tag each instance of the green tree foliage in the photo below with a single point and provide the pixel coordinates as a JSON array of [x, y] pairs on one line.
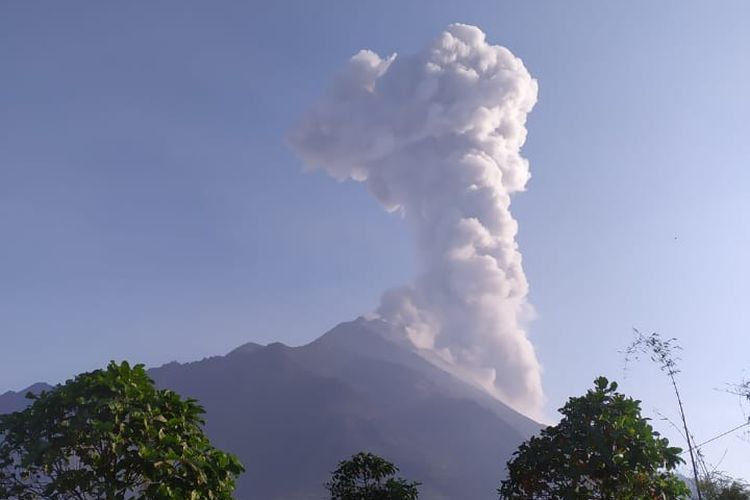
[[722, 487], [601, 449], [368, 477], [110, 434]]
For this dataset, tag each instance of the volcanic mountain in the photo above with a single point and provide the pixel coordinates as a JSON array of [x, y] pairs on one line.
[[291, 413]]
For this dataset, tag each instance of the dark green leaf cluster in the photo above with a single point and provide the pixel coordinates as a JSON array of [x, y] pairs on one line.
[[111, 434], [602, 448], [368, 477]]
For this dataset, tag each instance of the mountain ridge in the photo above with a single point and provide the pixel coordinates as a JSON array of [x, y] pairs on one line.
[[291, 413]]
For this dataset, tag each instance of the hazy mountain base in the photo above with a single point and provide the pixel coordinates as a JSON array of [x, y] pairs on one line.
[[291, 414]]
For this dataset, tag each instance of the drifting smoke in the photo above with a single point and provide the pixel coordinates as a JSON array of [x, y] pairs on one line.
[[437, 136]]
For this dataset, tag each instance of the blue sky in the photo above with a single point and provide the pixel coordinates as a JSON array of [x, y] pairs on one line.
[[150, 209]]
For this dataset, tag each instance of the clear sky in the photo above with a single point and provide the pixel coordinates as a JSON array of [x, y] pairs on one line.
[[150, 209]]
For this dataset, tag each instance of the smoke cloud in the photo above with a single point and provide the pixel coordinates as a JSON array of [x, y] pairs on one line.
[[437, 136]]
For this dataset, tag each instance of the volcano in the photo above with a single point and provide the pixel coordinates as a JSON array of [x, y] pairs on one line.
[[291, 413]]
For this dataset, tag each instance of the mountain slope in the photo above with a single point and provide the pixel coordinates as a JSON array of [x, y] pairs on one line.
[[13, 401], [291, 414]]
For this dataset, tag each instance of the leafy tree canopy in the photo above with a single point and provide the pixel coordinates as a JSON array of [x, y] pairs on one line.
[[601, 449], [722, 487], [110, 434], [368, 477]]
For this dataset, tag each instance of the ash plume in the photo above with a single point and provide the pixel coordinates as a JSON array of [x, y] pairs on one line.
[[437, 137]]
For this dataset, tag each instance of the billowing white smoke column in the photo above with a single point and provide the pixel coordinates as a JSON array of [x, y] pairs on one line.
[[437, 135]]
